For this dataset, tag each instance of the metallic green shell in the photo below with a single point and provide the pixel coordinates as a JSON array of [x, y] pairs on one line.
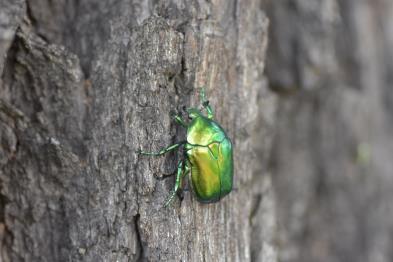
[[209, 151]]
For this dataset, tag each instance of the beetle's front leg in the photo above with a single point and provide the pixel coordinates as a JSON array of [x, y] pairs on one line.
[[205, 104], [162, 151], [182, 171], [179, 119]]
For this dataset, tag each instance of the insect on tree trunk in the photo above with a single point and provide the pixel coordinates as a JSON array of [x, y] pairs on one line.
[[84, 85]]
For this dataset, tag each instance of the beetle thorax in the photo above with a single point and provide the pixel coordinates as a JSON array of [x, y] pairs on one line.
[[203, 131]]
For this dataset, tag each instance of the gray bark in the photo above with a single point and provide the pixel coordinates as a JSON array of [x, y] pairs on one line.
[[84, 85]]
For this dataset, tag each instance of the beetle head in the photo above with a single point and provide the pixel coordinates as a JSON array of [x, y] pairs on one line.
[[193, 113]]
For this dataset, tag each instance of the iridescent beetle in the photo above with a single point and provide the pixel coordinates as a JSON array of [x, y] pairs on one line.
[[207, 155]]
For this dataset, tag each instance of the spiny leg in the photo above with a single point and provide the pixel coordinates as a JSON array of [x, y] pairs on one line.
[[166, 175], [205, 104], [179, 120], [182, 171], [162, 151]]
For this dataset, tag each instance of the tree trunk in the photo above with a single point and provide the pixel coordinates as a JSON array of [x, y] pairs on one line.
[[86, 84]]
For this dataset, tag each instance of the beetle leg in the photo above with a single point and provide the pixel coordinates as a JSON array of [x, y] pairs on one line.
[[180, 120], [205, 104], [162, 151], [182, 171], [177, 184]]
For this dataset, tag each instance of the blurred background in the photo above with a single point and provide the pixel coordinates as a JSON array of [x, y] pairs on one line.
[[302, 87], [331, 64]]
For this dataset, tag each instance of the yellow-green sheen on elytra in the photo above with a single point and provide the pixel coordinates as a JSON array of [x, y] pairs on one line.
[[207, 156]]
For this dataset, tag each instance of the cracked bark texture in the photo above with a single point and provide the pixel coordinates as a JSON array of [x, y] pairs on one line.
[[84, 84]]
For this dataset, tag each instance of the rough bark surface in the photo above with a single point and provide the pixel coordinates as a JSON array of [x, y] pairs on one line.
[[84, 85]]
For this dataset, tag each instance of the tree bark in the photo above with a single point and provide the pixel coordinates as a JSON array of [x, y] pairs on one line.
[[84, 85]]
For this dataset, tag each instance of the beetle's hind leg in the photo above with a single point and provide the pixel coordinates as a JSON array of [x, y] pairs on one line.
[[182, 171], [162, 151], [205, 104]]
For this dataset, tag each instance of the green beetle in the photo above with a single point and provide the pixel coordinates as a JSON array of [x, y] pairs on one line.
[[207, 156]]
